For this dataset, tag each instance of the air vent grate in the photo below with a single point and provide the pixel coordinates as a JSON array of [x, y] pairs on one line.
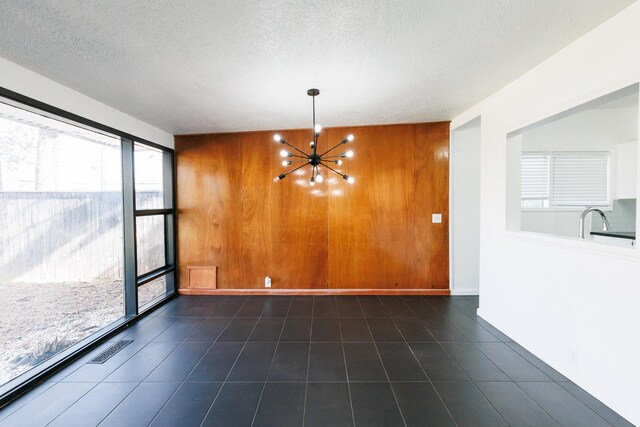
[[108, 353]]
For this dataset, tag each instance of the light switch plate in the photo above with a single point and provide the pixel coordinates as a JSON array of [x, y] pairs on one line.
[[436, 218]]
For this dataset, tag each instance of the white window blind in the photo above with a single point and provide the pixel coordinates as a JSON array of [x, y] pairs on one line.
[[564, 179], [534, 176], [580, 179]]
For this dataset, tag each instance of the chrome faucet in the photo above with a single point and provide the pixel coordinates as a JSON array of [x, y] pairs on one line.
[[605, 222]]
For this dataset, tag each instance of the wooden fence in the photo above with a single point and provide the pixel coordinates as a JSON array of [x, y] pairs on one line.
[[52, 236]]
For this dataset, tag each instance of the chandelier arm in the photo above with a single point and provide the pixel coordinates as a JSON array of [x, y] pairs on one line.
[[297, 149], [331, 149], [331, 169], [306, 157], [331, 157], [293, 170]]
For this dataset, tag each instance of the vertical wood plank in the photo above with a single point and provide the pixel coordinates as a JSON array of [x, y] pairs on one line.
[[209, 170], [369, 224], [284, 224], [430, 260]]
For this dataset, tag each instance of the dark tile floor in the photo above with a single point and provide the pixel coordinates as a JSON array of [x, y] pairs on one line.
[[312, 361]]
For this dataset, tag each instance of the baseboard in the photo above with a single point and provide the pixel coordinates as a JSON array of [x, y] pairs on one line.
[[465, 292], [313, 291]]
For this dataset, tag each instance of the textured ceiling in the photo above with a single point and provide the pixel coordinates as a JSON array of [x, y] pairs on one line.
[[190, 66]]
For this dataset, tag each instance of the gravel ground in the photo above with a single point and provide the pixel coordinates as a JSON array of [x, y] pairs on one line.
[[38, 320]]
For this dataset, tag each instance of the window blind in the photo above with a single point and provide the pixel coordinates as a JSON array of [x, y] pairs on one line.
[[534, 178], [580, 179]]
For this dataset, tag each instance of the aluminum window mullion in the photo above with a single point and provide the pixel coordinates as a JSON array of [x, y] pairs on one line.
[[152, 212], [155, 274], [129, 220], [168, 182]]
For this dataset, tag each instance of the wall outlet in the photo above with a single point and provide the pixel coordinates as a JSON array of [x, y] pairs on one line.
[[436, 218], [267, 282]]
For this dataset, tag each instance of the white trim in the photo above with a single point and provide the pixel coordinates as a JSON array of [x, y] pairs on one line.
[[451, 166], [455, 292]]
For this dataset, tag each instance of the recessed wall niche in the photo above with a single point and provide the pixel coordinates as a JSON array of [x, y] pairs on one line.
[[585, 157]]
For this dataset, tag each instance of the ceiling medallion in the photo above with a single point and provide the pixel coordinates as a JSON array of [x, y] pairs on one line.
[[314, 160]]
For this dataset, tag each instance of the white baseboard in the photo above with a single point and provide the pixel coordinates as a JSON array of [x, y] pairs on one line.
[[465, 292]]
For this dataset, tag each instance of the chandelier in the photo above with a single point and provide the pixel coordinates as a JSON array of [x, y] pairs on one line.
[[313, 159]]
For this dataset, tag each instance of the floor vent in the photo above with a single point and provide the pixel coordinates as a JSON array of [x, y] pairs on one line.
[[108, 353]]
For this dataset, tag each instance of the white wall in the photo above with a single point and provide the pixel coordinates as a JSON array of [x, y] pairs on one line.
[[597, 127], [558, 223], [575, 304], [465, 208], [625, 171], [28, 83]]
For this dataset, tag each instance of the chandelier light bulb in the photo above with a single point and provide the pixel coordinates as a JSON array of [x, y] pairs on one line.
[[286, 162], [277, 138], [319, 178], [347, 139], [338, 162], [349, 154], [349, 179], [311, 144], [312, 182], [276, 179], [284, 153], [318, 128]]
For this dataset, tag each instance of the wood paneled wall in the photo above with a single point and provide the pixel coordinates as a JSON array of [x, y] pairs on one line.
[[374, 234]]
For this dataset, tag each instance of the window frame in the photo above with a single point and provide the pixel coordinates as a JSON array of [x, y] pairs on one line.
[[132, 281], [168, 186]]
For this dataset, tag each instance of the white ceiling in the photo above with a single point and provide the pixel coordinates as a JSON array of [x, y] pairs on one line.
[[191, 66]]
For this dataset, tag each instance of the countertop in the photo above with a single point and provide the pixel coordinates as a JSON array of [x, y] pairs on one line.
[[631, 235]]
